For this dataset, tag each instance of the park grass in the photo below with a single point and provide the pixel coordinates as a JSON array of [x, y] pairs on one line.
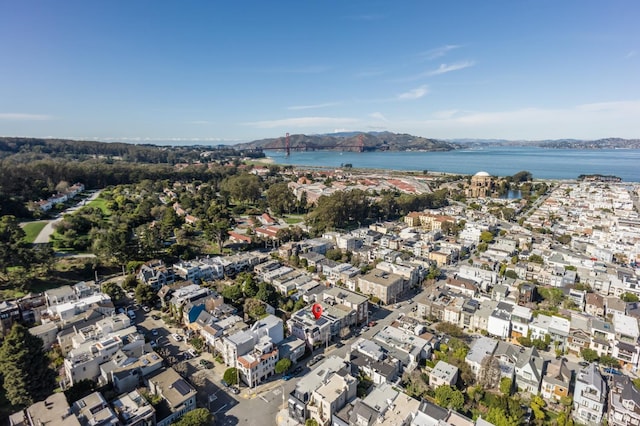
[[292, 219], [32, 229], [100, 203]]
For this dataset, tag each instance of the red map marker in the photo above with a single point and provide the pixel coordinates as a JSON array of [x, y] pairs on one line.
[[316, 309]]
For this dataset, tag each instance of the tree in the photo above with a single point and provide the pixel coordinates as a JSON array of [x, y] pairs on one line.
[[629, 297], [415, 383], [505, 386], [254, 308], [486, 237], [536, 258], [233, 293], [448, 397], [510, 273], [589, 355], [280, 198], [249, 286], [113, 290], [609, 361], [498, 416], [14, 250], [554, 296], [130, 282], [537, 406], [244, 188], [25, 368], [146, 295], [267, 293], [489, 376], [283, 365], [311, 422], [231, 376], [197, 417], [450, 329]]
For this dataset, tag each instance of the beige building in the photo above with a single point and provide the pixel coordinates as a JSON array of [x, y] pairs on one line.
[[384, 285], [331, 396], [441, 258], [52, 411], [482, 184]]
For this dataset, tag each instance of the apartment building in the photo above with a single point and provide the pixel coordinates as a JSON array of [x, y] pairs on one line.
[[387, 287], [589, 396]]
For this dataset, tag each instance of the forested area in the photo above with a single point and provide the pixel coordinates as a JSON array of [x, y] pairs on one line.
[[32, 168]]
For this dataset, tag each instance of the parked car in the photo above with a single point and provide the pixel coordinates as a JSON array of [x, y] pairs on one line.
[[192, 352], [225, 384], [287, 376], [154, 332], [155, 317], [176, 337], [583, 363], [613, 371], [297, 370], [146, 308], [316, 359], [372, 323], [206, 363], [234, 390]]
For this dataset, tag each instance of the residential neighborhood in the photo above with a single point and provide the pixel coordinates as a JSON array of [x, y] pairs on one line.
[[436, 318]]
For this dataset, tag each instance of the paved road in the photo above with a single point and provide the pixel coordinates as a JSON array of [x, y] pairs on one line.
[[45, 234]]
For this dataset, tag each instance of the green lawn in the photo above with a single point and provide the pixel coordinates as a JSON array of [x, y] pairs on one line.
[[32, 229], [101, 203], [292, 219]]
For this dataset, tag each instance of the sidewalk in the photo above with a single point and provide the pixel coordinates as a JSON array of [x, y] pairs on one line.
[[283, 419]]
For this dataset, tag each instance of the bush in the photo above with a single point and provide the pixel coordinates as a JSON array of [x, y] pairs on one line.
[[231, 376]]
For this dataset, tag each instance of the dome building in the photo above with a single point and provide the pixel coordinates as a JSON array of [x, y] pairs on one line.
[[482, 185]]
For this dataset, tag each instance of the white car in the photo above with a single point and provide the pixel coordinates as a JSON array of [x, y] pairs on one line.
[[176, 337], [192, 352]]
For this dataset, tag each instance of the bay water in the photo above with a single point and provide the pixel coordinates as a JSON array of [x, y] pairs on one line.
[[497, 161]]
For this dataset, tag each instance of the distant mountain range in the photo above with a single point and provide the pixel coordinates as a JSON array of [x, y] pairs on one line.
[[352, 141], [389, 141], [607, 143]]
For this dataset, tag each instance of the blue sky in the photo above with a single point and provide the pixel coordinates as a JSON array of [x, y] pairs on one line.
[[236, 71]]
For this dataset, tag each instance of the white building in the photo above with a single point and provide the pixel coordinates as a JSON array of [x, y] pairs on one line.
[[443, 374], [589, 396]]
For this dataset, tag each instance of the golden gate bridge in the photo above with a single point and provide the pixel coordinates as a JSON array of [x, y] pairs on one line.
[[288, 148]]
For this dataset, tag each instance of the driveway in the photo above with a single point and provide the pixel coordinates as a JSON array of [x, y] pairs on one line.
[[45, 234]]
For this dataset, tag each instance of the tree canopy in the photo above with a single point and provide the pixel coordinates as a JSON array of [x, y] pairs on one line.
[[448, 397], [197, 417], [231, 376], [283, 365], [25, 368]]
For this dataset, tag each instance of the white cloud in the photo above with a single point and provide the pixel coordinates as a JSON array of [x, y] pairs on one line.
[[302, 122], [587, 121], [303, 107], [378, 116], [416, 93], [14, 116], [439, 51], [444, 68], [631, 54]]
